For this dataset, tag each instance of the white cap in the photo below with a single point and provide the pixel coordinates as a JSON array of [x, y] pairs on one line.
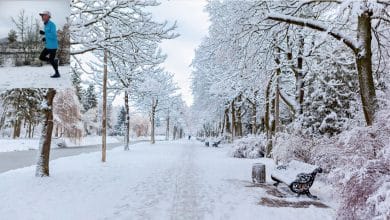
[[45, 13]]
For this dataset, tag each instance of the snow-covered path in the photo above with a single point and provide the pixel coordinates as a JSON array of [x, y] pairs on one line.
[[34, 77], [168, 180]]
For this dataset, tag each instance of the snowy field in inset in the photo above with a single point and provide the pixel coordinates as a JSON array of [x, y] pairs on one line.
[[168, 180], [7, 145], [34, 77]]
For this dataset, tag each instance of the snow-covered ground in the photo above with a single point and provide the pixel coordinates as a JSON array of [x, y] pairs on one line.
[[168, 180], [147, 138], [7, 145], [34, 77]]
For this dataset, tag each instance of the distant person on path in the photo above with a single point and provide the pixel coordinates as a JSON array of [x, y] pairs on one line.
[[189, 137], [51, 42]]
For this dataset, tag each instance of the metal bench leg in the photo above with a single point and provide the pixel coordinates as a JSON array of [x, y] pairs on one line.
[[276, 181], [308, 194]]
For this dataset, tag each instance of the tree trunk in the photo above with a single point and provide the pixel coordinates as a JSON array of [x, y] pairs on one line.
[[277, 95], [300, 92], [42, 168], [254, 114], [167, 129], [17, 128], [181, 133], [233, 127], [104, 112], [56, 131], [227, 121], [267, 107], [174, 132], [364, 66], [127, 122], [239, 123], [152, 122], [239, 117]]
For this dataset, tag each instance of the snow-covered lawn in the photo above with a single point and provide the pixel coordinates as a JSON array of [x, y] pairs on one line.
[[147, 138], [168, 180], [34, 77], [7, 145]]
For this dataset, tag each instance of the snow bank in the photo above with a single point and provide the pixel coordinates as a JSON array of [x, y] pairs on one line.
[[7, 145], [91, 140], [147, 138], [34, 77], [249, 147]]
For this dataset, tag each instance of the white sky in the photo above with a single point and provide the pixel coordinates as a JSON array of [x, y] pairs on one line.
[[193, 23], [59, 9]]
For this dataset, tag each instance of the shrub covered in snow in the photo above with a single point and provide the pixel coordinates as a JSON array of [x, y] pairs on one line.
[[249, 147], [357, 163], [292, 146]]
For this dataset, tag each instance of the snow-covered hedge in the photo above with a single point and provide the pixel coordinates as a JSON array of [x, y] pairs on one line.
[[292, 147], [355, 162], [359, 161], [249, 147]]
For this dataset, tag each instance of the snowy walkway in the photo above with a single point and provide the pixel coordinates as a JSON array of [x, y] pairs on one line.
[[34, 77], [169, 180]]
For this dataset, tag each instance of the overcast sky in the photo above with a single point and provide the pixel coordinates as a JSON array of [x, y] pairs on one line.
[[193, 25], [59, 9]]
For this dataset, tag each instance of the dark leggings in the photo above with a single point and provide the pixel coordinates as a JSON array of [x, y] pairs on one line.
[[50, 59]]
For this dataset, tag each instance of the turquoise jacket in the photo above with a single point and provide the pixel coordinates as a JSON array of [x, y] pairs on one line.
[[51, 35]]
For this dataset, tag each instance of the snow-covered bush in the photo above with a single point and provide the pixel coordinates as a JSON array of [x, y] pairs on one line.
[[249, 147], [379, 202], [292, 146], [359, 165], [355, 162]]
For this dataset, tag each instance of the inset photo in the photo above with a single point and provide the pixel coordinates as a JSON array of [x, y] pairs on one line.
[[35, 44]]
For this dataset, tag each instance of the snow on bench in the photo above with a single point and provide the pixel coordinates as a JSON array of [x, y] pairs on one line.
[[214, 143], [299, 176]]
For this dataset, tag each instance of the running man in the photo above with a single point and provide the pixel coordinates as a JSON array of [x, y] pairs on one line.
[[51, 42]]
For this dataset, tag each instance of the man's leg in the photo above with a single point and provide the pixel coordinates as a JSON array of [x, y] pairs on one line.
[[43, 55], [52, 55]]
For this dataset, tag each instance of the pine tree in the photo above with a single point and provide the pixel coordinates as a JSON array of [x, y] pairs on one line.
[[12, 37], [90, 100], [120, 124], [331, 100], [22, 106], [76, 82]]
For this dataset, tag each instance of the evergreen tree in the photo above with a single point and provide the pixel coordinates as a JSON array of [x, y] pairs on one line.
[[12, 37], [120, 124], [90, 100], [331, 99], [76, 82], [22, 106]]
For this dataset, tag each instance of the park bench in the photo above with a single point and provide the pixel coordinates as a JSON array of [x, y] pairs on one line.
[[216, 143], [298, 176], [200, 139], [213, 143]]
